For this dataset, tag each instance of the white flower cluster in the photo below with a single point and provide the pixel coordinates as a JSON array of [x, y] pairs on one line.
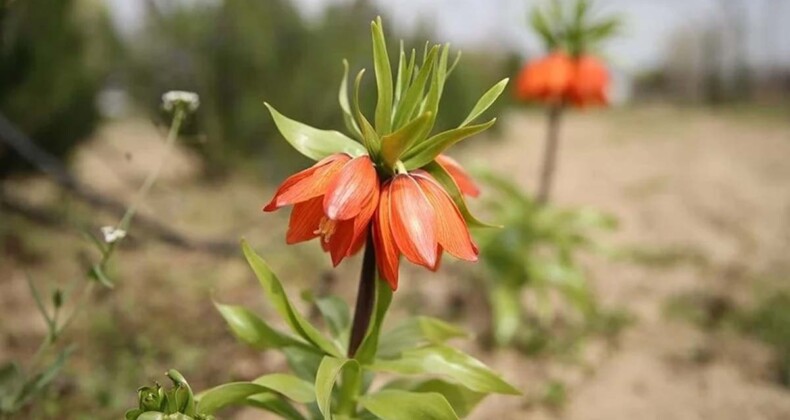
[[174, 98], [112, 234]]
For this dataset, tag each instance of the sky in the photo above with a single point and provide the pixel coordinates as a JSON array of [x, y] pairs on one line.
[[501, 24]]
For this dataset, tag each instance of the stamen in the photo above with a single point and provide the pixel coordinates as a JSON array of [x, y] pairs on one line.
[[326, 228]]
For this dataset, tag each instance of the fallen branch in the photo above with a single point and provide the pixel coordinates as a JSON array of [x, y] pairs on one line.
[[54, 169]]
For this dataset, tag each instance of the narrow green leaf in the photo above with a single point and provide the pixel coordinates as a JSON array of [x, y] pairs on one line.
[[325, 380], [394, 145], [444, 178], [436, 89], [302, 363], [249, 328], [290, 386], [314, 143], [369, 136], [541, 26], [335, 312], [455, 63], [225, 395], [460, 398], [485, 101], [236, 393], [274, 404], [449, 363], [401, 81], [414, 332], [367, 350], [348, 118], [277, 297], [414, 95], [404, 405], [381, 63], [40, 303], [425, 152]]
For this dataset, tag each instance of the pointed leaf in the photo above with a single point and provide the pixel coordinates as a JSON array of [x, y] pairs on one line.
[[225, 395], [425, 152], [325, 379], [404, 405], [312, 142], [449, 363], [461, 399], [395, 144], [290, 386], [415, 332], [414, 94], [381, 63], [274, 404], [369, 136], [485, 101], [348, 118], [335, 312], [249, 328], [277, 297]]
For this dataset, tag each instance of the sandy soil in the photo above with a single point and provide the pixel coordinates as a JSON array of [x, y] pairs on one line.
[[715, 184], [675, 179]]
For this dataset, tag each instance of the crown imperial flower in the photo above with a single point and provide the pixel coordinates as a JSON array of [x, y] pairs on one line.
[[388, 184]]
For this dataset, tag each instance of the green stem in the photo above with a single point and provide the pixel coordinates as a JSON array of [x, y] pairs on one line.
[[178, 118], [550, 153], [350, 387]]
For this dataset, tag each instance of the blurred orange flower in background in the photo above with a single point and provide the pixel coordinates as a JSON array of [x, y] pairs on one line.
[[560, 78]]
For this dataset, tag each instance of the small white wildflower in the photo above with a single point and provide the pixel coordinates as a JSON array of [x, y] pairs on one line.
[[112, 234], [174, 98]]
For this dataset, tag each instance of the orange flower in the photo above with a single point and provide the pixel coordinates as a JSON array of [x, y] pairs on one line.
[[335, 200], [459, 175], [546, 79], [590, 83], [581, 81], [418, 219]]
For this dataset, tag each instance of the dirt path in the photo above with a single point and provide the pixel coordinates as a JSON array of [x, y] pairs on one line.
[[677, 180]]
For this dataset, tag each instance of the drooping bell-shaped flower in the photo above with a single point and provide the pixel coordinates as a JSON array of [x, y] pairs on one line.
[[334, 200], [590, 82], [459, 175], [416, 218], [546, 79]]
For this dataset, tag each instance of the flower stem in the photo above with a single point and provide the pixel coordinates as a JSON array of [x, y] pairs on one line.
[[550, 154], [366, 298]]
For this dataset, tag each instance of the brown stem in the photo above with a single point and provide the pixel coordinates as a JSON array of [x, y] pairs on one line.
[[550, 152], [366, 298]]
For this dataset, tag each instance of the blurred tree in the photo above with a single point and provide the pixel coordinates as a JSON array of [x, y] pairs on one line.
[[47, 88]]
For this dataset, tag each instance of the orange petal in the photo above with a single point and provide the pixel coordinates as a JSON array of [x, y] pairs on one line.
[[307, 184], [340, 241], [413, 221], [459, 175], [386, 251], [362, 222], [559, 73], [351, 189], [451, 230], [305, 218]]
